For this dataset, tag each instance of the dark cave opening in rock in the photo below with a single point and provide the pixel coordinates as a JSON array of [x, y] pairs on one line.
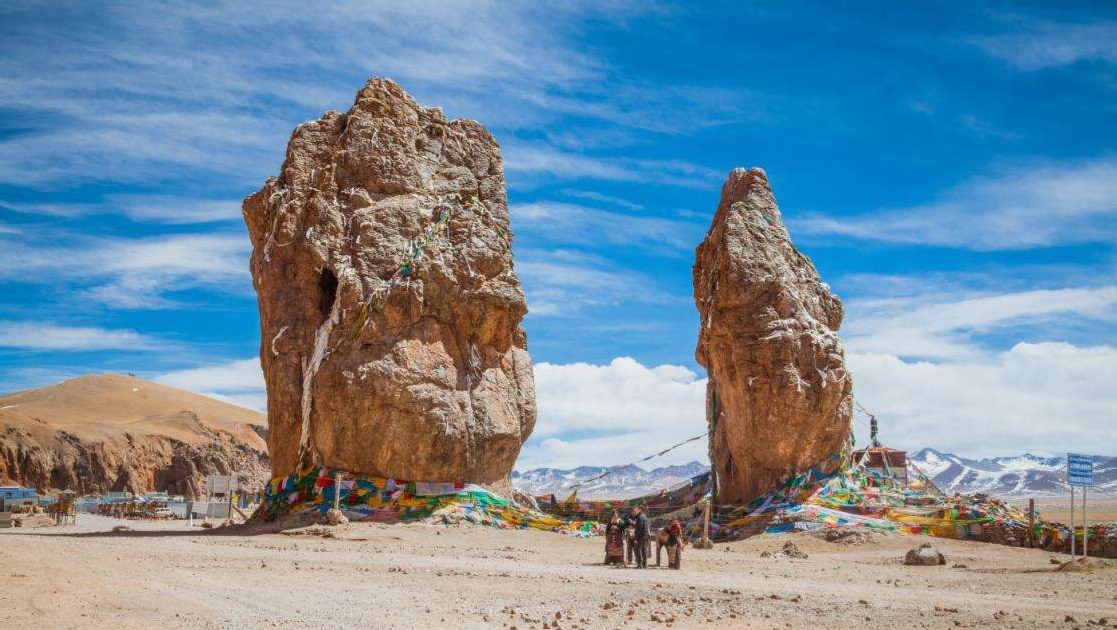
[[327, 292]]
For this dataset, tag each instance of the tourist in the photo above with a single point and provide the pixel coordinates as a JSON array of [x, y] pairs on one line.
[[614, 540], [641, 538], [675, 544], [630, 537]]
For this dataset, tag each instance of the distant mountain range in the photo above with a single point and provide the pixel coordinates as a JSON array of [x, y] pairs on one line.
[[1019, 475], [1026, 474], [625, 481]]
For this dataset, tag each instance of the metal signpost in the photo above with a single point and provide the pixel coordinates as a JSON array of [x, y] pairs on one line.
[[1080, 473]]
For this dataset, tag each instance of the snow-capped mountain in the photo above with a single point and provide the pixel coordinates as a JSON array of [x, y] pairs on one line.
[[625, 481], [1018, 475], [1026, 474]]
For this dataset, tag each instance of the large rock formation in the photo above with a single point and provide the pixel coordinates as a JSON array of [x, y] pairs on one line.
[[110, 432], [779, 398], [389, 311]]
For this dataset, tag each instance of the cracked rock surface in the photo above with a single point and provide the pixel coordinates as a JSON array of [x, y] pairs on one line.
[[389, 310], [779, 399]]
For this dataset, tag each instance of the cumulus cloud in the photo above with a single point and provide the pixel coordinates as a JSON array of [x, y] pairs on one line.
[[1046, 397], [1015, 208], [615, 413]]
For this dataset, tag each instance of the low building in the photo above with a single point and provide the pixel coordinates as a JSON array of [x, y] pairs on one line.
[[889, 464], [18, 498]]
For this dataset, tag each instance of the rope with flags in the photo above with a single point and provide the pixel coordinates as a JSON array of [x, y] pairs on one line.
[[614, 469], [408, 261]]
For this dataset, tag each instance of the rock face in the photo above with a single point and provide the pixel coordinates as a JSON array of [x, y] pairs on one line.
[[779, 398], [389, 311], [110, 432]]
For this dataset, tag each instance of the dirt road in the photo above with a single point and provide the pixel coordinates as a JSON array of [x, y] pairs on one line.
[[408, 576]]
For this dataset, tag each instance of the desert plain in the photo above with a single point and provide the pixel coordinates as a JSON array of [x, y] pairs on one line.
[[170, 575]]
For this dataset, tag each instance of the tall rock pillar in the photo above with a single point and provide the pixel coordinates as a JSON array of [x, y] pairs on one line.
[[389, 311], [779, 399]]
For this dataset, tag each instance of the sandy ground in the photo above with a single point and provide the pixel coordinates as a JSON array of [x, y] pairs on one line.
[[407, 576], [1058, 508]]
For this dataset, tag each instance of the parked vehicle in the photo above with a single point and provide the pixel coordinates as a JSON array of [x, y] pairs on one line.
[[164, 512]]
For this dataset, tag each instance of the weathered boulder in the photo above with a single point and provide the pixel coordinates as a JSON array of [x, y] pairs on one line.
[[779, 398], [924, 555], [389, 311]]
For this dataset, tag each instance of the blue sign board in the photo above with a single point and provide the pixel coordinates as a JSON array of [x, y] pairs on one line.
[[1080, 470]]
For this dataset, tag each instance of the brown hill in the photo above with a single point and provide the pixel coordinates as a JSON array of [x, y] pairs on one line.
[[105, 432]]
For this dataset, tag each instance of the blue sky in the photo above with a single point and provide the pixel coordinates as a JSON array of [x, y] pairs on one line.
[[951, 170]]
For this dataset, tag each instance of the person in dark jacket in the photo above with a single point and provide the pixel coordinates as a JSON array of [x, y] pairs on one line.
[[642, 538]]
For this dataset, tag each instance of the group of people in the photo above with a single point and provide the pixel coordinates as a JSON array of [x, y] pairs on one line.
[[629, 539]]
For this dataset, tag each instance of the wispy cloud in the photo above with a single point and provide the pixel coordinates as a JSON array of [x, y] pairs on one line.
[[564, 282], [1036, 45], [1015, 208], [240, 382], [549, 162], [606, 199], [164, 209], [165, 94], [28, 335], [570, 223], [943, 327], [132, 273]]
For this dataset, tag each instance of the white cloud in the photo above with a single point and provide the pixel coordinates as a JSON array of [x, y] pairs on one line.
[[122, 95], [588, 414], [606, 199], [615, 414], [238, 382], [563, 282], [569, 223], [1015, 208], [1047, 397], [133, 273], [54, 337], [1040, 45], [542, 160], [937, 326], [174, 209]]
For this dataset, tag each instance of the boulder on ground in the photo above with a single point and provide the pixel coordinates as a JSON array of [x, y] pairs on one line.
[[789, 550], [924, 556], [389, 311], [779, 398], [335, 517]]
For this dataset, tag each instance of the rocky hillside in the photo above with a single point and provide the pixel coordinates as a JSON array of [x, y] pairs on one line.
[[108, 432], [624, 482], [1026, 474]]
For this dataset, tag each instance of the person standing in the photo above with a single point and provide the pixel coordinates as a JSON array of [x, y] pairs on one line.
[[614, 540], [641, 538], [675, 544], [630, 537]]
